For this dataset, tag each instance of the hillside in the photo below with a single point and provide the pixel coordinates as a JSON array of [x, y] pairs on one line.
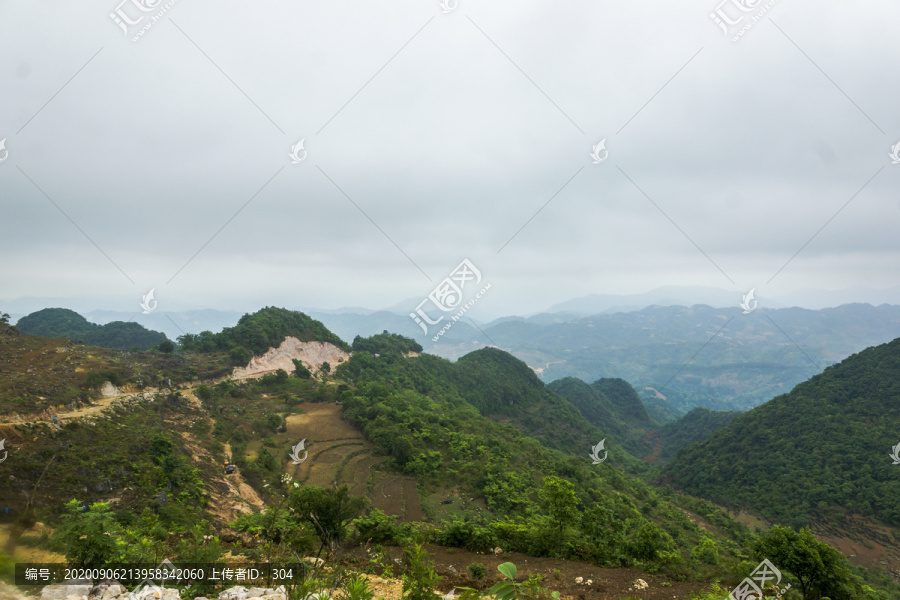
[[820, 451], [469, 455], [695, 426], [614, 407], [65, 323]]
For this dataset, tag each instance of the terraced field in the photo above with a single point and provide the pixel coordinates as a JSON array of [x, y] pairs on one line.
[[339, 454]]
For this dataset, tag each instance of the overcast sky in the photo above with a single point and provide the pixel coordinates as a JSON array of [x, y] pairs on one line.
[[431, 137]]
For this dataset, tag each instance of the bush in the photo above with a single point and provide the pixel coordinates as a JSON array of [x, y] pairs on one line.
[[706, 551], [380, 528], [88, 537], [239, 356], [301, 371], [420, 579], [265, 461], [477, 570], [460, 533]]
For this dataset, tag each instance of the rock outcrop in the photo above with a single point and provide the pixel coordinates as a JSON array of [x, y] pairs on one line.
[[311, 354]]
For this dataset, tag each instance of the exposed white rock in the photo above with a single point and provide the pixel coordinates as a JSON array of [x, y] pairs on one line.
[[108, 389], [311, 354]]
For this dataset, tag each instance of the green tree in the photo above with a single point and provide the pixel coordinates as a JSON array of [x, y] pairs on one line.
[[167, 347], [559, 501], [301, 371], [328, 511], [325, 368], [820, 569], [265, 461], [88, 537], [420, 578], [706, 551]]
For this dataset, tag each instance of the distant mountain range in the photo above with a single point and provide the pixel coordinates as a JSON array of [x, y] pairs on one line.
[[678, 357]]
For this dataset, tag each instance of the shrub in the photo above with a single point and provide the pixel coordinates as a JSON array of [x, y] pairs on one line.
[[706, 551], [420, 579], [478, 570], [301, 371], [379, 528]]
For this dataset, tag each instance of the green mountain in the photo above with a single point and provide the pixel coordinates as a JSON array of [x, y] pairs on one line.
[[695, 426], [65, 323], [821, 450], [625, 401], [614, 407], [593, 404], [473, 454], [257, 332]]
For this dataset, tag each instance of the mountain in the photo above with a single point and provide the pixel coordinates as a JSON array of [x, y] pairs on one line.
[[695, 426], [257, 332], [614, 407], [65, 323], [820, 451], [595, 304], [401, 448], [593, 405], [717, 358]]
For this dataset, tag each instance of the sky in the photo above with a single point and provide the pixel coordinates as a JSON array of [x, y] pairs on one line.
[[161, 151]]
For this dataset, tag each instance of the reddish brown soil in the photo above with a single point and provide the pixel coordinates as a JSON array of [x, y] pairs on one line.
[[607, 584]]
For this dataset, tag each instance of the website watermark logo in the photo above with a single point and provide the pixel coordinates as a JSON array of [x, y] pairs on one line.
[[449, 5], [149, 303], [295, 452], [751, 588], [734, 17], [4, 153], [595, 452], [599, 152], [448, 296], [895, 153], [131, 20], [295, 156], [895, 453], [5, 451], [748, 302]]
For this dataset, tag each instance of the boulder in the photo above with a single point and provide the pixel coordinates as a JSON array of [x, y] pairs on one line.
[[107, 591], [108, 389], [238, 592], [62, 591], [8, 592], [256, 592]]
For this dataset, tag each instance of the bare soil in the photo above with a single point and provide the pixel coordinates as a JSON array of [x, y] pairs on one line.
[[606, 584]]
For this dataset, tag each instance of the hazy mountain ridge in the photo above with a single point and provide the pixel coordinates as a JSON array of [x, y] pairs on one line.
[[65, 323]]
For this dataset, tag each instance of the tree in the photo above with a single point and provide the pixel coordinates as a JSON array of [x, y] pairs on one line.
[[325, 368], [89, 537], [301, 371], [328, 511], [4, 318], [167, 347], [559, 500], [820, 569], [420, 579]]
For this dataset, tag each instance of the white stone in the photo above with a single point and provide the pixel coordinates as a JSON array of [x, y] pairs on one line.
[[238, 592], [62, 591], [108, 389]]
